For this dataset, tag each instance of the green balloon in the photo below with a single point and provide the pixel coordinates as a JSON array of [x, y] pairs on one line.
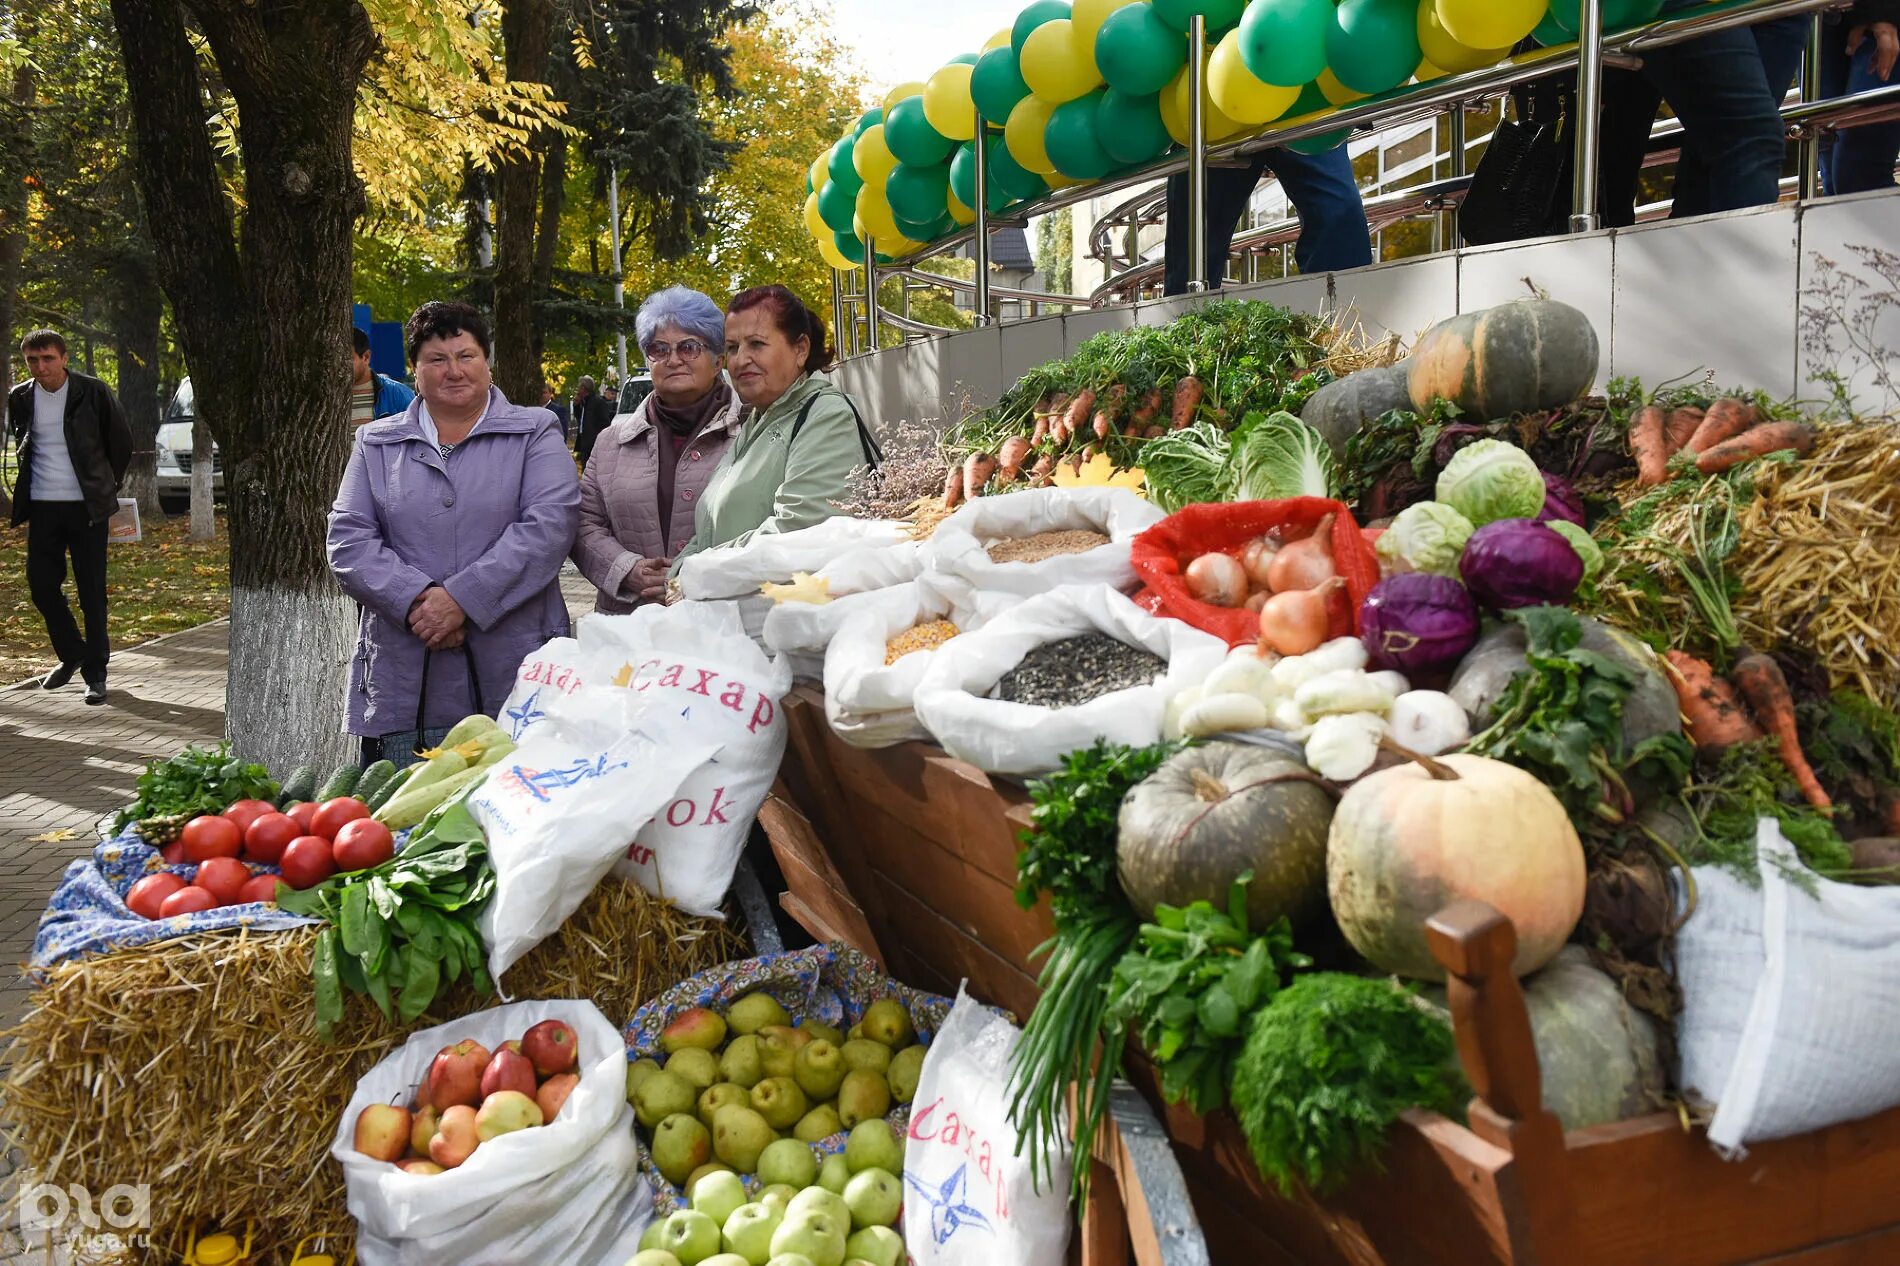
[[843, 174], [1137, 52], [942, 226], [1373, 44], [1015, 181], [964, 59], [850, 246], [1283, 42], [1130, 127], [909, 135], [918, 194], [1617, 14], [1312, 100], [1074, 142], [1038, 12], [963, 173], [1325, 144], [837, 206], [868, 120], [997, 84], [1550, 32], [1179, 14]]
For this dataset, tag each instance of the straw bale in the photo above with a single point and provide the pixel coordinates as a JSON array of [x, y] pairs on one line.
[[194, 1066]]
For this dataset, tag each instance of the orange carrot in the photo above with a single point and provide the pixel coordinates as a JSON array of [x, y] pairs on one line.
[[1078, 415], [1646, 446], [1716, 717], [1766, 690], [953, 488], [1187, 401], [1104, 424], [1148, 406], [1680, 426], [1154, 433], [1758, 441], [977, 469], [1726, 419], [1014, 452], [1042, 429], [1039, 473]]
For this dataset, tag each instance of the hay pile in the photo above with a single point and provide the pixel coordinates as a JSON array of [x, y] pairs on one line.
[[194, 1065]]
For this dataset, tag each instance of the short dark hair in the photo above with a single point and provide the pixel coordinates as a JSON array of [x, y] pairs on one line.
[[39, 340], [793, 317], [439, 319], [361, 338]]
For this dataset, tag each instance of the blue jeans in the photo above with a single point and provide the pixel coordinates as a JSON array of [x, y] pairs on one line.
[[1780, 44], [1859, 158], [1333, 230], [1719, 89]]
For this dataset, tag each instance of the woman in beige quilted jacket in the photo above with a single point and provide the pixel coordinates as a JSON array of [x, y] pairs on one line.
[[649, 469]]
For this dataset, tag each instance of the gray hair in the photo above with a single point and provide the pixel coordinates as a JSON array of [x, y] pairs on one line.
[[686, 310], [586, 383]]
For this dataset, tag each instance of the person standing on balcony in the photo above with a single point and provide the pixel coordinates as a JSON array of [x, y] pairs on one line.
[[74, 446], [372, 395], [1858, 53], [1333, 232]]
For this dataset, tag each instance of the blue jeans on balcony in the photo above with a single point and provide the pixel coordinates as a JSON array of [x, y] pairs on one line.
[[1859, 158], [1333, 230], [1780, 44]]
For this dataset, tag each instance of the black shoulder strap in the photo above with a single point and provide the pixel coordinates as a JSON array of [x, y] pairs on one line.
[[873, 455]]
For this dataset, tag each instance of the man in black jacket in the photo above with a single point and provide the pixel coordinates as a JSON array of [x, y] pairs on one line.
[[74, 447]]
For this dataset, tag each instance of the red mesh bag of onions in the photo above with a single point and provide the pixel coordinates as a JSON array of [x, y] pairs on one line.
[[1272, 547]]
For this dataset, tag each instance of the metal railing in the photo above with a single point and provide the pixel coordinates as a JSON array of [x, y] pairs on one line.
[[1450, 95]]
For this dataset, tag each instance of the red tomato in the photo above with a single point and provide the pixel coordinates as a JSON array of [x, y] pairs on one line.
[[187, 901], [308, 862], [223, 878], [149, 893], [262, 888], [302, 815], [265, 839], [207, 836], [173, 853], [245, 812], [362, 844], [333, 814]]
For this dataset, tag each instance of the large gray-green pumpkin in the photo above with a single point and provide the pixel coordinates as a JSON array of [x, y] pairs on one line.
[[1599, 1055], [1482, 677], [1214, 812], [1340, 410], [1515, 358]]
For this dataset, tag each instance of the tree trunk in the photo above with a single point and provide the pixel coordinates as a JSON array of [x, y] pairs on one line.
[[203, 496], [547, 243], [526, 30], [265, 329], [138, 315], [12, 213]]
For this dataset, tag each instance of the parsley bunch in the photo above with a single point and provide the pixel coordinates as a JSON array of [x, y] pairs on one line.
[[197, 780]]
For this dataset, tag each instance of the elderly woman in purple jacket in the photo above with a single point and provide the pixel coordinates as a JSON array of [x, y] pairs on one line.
[[649, 469], [449, 531]]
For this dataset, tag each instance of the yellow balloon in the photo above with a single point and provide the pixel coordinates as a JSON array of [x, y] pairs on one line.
[[820, 171], [898, 93], [1490, 23], [1446, 53], [1088, 16], [1174, 113], [999, 40], [960, 213], [1427, 72], [813, 221], [898, 248], [1334, 91], [1023, 135], [872, 157], [947, 103], [1238, 93], [828, 250], [1054, 66], [876, 215]]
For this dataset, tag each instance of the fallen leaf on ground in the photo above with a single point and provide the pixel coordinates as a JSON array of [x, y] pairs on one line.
[[54, 837]]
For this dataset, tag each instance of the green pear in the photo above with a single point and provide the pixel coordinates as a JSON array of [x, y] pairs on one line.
[[779, 1196], [740, 1063], [818, 1125], [691, 1237], [779, 1101], [863, 1097], [650, 1238], [699, 1068], [695, 1028], [874, 1197], [907, 1068], [680, 1146], [661, 1095], [834, 1174], [819, 1235], [873, 1145], [756, 1011], [718, 1195], [819, 1070], [788, 1162], [738, 1136], [822, 1032], [748, 1232], [725, 1094], [710, 1167], [778, 1056], [888, 1022], [638, 1071], [875, 1245], [865, 1054], [654, 1256]]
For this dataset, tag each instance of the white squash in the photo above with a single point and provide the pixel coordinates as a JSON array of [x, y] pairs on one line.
[[1344, 747]]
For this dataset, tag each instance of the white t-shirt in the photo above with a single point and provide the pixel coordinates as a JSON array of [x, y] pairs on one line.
[[428, 426], [54, 478]]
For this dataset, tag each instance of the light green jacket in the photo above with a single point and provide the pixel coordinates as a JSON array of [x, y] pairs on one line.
[[765, 483]]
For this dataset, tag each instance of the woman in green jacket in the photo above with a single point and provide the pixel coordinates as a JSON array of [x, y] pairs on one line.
[[801, 437]]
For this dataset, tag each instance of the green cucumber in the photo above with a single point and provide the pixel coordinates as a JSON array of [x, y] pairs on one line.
[[387, 792], [341, 782], [301, 785], [374, 776]]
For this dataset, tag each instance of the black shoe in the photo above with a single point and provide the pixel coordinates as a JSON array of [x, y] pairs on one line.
[[58, 677], [96, 692]]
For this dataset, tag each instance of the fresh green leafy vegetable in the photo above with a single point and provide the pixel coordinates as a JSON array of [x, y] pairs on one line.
[[1277, 456], [1188, 467], [1750, 782], [1854, 745], [197, 780], [1187, 985], [1492, 480], [1069, 849], [401, 930], [1329, 1065]]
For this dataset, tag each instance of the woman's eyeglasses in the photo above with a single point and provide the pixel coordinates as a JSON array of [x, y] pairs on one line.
[[688, 349]]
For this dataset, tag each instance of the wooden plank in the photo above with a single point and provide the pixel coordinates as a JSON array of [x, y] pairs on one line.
[[953, 954], [1879, 1248], [1104, 1229], [814, 923], [844, 921]]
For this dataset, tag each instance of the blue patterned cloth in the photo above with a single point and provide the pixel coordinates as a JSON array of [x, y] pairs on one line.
[[87, 914], [828, 984]]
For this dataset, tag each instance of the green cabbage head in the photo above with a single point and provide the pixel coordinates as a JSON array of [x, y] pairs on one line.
[[1581, 541], [1492, 480], [1429, 536]]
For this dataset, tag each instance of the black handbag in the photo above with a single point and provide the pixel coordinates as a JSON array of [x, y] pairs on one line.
[[1522, 185]]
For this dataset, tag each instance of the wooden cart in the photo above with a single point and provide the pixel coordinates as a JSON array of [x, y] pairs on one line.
[[910, 855]]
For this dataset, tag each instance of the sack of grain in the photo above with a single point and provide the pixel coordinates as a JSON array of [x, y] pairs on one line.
[[1081, 536]]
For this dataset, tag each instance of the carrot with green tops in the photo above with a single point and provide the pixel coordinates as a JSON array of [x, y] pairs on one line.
[[1757, 441], [1725, 419], [1078, 414], [1012, 455], [1713, 712], [977, 469], [1761, 683], [1646, 446], [1680, 427], [1147, 407], [1187, 402], [953, 488], [1039, 473]]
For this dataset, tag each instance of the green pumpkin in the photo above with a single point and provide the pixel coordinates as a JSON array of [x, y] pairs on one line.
[[1339, 410], [1496, 362]]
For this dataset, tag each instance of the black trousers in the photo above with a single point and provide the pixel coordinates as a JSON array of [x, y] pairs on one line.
[[55, 529]]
